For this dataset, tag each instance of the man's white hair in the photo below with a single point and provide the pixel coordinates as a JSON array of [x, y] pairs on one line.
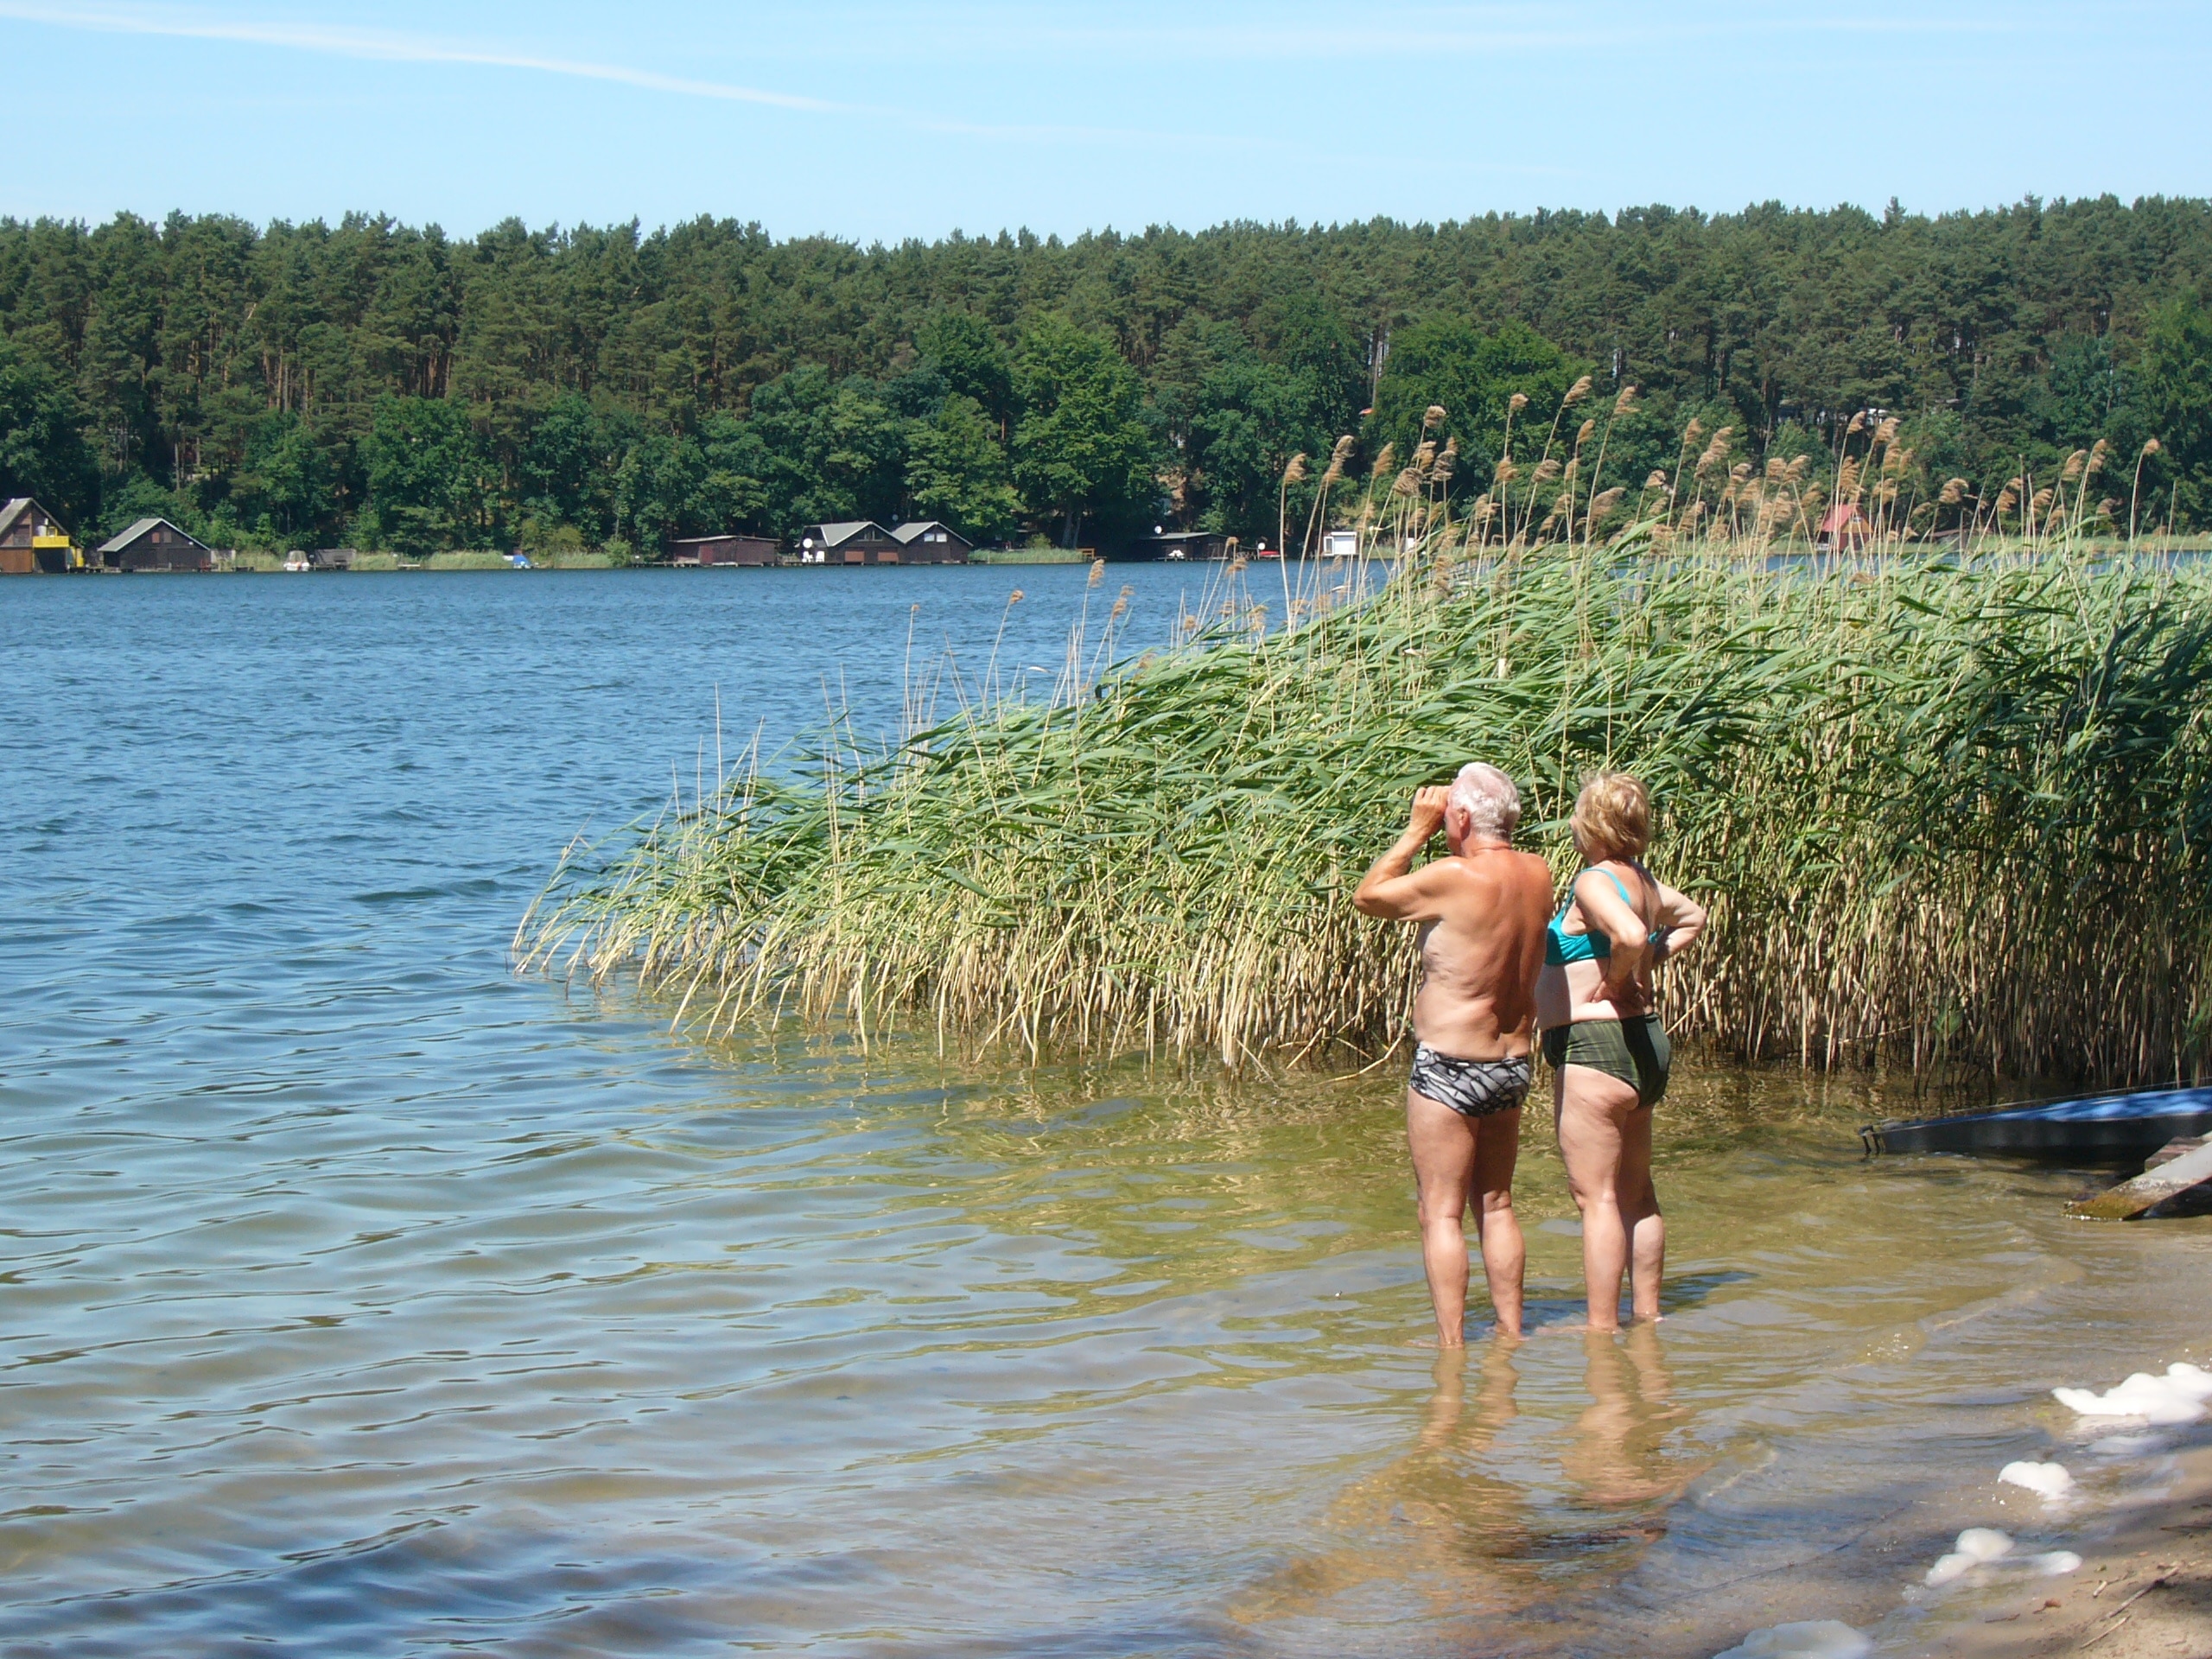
[[1488, 797]]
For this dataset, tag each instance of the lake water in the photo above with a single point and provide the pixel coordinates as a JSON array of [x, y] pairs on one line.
[[357, 1296]]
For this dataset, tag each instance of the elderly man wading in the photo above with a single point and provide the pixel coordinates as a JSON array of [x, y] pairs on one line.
[[1482, 945]]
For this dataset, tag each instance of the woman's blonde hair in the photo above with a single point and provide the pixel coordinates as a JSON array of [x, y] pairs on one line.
[[1612, 817]]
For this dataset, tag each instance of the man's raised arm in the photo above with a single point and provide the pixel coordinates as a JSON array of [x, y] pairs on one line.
[[1387, 890]]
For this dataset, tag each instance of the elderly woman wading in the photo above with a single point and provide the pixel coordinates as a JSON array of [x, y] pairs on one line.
[[1606, 1047]]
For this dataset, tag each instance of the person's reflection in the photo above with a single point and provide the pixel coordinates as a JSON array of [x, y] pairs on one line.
[[1437, 1518], [1616, 1456], [1444, 1486]]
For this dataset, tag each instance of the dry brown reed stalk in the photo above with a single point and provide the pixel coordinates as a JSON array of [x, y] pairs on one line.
[[1574, 395], [1339, 457], [1294, 472], [1883, 780], [1623, 404], [2150, 448]]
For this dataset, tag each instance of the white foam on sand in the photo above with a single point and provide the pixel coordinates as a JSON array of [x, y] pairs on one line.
[[2179, 1396], [1821, 1638], [1986, 1546], [1976, 1545], [2048, 1480]]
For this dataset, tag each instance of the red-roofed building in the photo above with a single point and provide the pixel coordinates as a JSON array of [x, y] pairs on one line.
[[1843, 525]]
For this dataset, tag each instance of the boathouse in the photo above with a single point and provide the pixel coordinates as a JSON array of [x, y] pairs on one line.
[[1183, 544], [722, 549], [32, 541], [928, 542], [1843, 526], [156, 544], [857, 541]]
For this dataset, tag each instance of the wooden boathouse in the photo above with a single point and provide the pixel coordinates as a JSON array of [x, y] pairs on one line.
[[32, 541], [156, 544], [857, 541], [705, 551], [930, 541]]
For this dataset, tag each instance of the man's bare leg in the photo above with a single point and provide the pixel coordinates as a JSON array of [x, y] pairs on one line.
[[1592, 1108], [1443, 1146], [1497, 1148]]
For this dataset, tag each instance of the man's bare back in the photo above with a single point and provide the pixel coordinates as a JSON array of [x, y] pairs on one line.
[[1482, 944]]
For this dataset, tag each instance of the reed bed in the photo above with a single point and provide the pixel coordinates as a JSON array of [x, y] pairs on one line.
[[1945, 810]]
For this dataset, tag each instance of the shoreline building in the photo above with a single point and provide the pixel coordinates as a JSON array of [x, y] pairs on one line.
[[705, 551], [927, 540], [856, 541], [33, 542], [156, 544]]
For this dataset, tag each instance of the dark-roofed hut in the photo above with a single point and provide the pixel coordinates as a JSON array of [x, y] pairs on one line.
[[722, 549], [156, 544], [926, 541], [32, 540]]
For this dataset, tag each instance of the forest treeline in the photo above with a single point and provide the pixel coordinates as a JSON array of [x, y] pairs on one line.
[[378, 384]]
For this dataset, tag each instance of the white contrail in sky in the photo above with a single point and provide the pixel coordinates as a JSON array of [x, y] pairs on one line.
[[409, 48], [391, 48]]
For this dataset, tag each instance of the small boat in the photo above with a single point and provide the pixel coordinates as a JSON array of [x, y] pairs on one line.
[[2096, 1128]]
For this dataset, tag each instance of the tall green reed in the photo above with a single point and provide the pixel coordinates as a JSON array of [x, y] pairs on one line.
[[1945, 810]]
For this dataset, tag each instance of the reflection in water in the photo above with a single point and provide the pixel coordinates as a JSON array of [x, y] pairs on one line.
[[1463, 1524], [1438, 1522], [1618, 1455]]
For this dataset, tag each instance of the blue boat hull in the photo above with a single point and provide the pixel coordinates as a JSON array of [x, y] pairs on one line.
[[2097, 1129]]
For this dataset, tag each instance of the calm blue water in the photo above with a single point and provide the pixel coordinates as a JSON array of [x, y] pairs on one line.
[[357, 1296]]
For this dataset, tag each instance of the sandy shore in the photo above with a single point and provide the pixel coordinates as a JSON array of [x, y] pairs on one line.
[[2145, 1590]]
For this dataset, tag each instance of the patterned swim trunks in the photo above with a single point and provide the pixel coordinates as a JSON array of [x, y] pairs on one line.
[[1470, 1088]]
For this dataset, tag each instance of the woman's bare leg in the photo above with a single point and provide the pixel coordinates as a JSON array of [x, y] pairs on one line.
[[1443, 1146], [1591, 1110], [1497, 1148], [1639, 1204]]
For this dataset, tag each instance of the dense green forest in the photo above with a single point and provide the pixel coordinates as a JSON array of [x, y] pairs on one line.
[[373, 382]]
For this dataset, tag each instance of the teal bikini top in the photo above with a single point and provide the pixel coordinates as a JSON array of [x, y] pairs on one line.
[[1561, 947]]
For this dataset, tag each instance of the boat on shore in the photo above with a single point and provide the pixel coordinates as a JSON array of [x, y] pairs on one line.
[[2096, 1128]]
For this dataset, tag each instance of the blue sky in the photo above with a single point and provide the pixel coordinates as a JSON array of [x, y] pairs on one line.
[[879, 121]]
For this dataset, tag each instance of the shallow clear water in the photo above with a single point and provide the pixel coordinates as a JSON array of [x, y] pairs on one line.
[[356, 1296]]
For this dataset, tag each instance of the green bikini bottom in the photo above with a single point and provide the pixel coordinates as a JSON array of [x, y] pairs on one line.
[[1635, 1051]]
